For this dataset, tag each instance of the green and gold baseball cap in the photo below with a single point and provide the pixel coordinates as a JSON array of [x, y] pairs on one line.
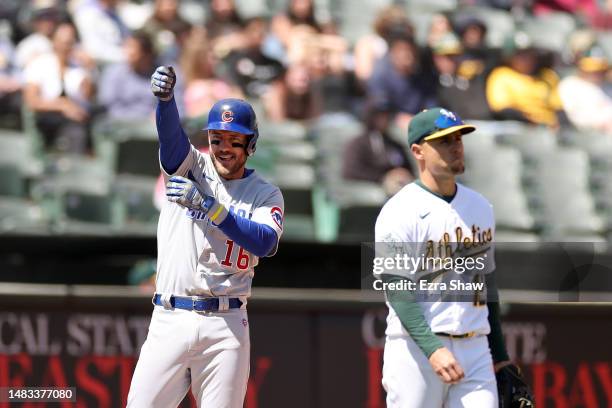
[[448, 44], [434, 123], [594, 60]]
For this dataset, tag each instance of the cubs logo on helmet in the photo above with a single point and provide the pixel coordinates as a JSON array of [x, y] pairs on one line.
[[227, 116], [277, 216]]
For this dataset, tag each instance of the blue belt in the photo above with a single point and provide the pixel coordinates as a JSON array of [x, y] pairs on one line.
[[197, 304]]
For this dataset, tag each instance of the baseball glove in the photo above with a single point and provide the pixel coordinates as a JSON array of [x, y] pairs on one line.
[[512, 389]]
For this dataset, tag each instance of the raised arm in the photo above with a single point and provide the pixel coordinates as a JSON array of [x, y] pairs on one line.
[[173, 142]]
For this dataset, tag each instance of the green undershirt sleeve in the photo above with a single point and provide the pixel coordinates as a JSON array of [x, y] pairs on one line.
[[495, 337], [411, 316]]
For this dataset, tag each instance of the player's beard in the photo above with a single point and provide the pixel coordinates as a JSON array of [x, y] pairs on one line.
[[229, 170], [458, 168]]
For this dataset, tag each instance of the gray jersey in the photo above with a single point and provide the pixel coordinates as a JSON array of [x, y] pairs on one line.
[[197, 258]]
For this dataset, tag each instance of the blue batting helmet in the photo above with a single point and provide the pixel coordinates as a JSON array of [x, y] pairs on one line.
[[234, 115]]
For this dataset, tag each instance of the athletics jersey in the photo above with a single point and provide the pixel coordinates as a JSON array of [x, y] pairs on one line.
[[197, 258], [426, 226]]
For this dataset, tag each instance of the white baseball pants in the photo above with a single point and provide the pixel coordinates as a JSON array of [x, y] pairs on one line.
[[410, 381], [208, 350]]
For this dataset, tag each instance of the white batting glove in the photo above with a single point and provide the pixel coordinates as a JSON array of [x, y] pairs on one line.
[[185, 192], [162, 82]]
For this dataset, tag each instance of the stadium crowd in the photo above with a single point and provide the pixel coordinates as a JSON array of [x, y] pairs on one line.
[[72, 63], [75, 61]]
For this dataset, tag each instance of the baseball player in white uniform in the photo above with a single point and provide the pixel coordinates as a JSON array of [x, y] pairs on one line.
[[219, 219], [440, 352]]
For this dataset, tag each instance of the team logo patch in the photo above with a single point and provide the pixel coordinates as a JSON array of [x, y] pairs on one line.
[[227, 116], [448, 114], [277, 216]]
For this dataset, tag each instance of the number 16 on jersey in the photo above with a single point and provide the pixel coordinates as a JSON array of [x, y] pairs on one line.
[[242, 260]]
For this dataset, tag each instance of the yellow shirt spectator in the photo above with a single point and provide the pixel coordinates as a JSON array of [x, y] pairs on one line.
[[535, 96]]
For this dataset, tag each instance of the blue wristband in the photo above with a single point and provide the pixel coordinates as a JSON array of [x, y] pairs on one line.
[[208, 202]]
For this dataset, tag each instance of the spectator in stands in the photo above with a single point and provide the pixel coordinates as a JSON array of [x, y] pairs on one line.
[[524, 90], [299, 12], [59, 93], [446, 53], [293, 97], [472, 33], [325, 56], [202, 86], [224, 28], [457, 85], [288, 27], [250, 68], [400, 80], [125, 87], [375, 156], [167, 29], [602, 19], [372, 47], [580, 42], [223, 18], [44, 19], [598, 14], [585, 101], [101, 29], [10, 86], [324, 53], [439, 27]]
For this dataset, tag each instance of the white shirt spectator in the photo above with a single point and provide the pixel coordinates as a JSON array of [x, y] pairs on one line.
[[586, 104], [102, 32], [44, 72], [31, 47]]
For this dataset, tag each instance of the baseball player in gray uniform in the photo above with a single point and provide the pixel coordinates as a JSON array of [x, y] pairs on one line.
[[220, 218], [441, 352]]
